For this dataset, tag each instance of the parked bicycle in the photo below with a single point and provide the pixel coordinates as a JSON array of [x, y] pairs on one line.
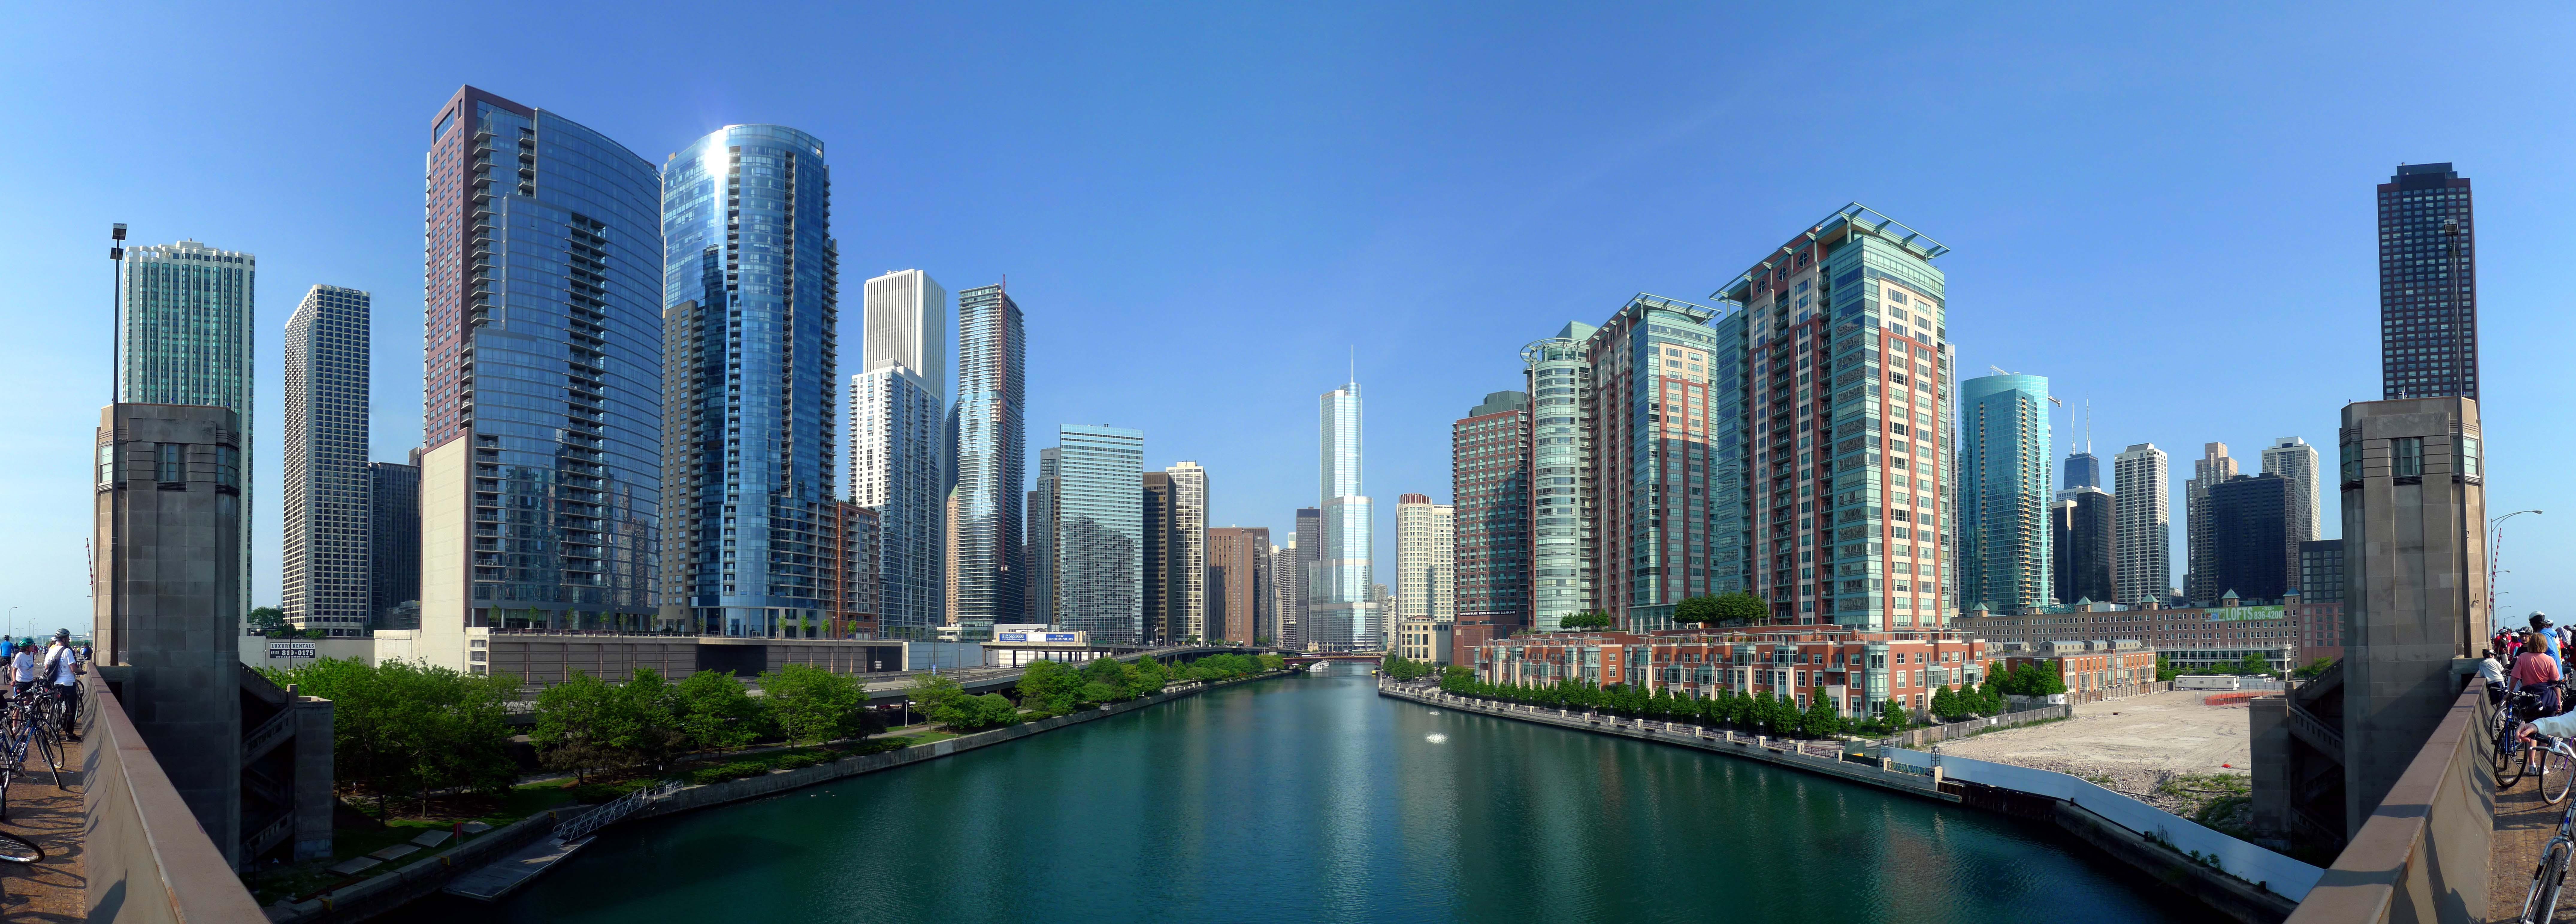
[[30, 728], [2513, 756], [2540, 903]]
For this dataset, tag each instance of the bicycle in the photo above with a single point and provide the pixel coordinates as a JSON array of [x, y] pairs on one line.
[[2541, 902], [2513, 757], [25, 732]]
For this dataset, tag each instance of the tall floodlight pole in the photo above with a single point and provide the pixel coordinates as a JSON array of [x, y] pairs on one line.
[[2495, 555], [116, 314]]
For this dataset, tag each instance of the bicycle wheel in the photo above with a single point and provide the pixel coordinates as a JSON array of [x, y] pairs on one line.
[[2512, 763], [2505, 744], [15, 849], [2557, 771], [53, 755], [2541, 903]]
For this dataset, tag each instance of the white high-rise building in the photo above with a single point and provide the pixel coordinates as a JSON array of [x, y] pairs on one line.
[[1426, 551], [899, 465], [907, 321], [1189, 545], [2294, 460], [1341, 603], [2143, 524], [328, 500]]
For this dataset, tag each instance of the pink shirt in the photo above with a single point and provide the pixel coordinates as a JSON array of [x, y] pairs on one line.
[[2531, 668]]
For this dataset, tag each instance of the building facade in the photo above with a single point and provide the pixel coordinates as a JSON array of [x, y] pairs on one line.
[[2321, 597], [899, 465], [2191, 638], [989, 430], [848, 572], [1157, 508], [2296, 462], [1652, 397], [1850, 669], [2144, 532], [2200, 561], [1239, 585], [2081, 531], [2249, 515], [1846, 460], [1559, 381], [1426, 556], [2005, 557], [751, 306], [2428, 276], [1040, 584], [1189, 549], [1489, 477], [1099, 545], [906, 323], [2093, 669], [393, 556], [1341, 609], [328, 504], [541, 474], [1309, 548], [185, 335]]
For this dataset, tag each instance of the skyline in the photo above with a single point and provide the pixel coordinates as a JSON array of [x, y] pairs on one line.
[[1476, 293]]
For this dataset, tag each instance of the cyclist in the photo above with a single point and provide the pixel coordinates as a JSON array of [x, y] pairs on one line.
[[2536, 668], [2542, 627], [22, 668], [2491, 671], [62, 664]]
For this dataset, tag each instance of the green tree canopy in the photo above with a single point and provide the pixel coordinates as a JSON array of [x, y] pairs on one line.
[[270, 621], [1741, 607], [812, 705], [715, 712], [406, 728]]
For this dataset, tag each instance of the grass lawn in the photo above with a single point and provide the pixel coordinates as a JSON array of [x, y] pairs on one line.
[[297, 880]]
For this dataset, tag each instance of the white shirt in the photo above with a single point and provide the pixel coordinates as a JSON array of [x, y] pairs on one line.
[[2556, 726], [23, 665], [2490, 671], [61, 658]]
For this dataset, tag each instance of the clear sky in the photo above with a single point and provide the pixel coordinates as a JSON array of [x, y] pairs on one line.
[[1202, 207]]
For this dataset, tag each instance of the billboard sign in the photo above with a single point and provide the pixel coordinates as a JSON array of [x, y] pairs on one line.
[[1059, 638], [2246, 613], [1012, 637], [284, 649]]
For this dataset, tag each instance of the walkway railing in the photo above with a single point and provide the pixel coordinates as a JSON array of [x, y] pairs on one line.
[[620, 807], [146, 858]]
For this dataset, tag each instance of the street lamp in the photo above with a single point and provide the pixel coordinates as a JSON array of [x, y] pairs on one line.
[[2495, 554]]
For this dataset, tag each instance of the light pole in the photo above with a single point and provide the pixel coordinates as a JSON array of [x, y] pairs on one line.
[[2495, 552]]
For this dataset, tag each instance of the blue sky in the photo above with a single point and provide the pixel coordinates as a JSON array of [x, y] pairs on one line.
[[1202, 207]]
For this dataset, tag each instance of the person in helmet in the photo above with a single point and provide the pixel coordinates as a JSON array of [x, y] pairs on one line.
[[2547, 631], [61, 668]]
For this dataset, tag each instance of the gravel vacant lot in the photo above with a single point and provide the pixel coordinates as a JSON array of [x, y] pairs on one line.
[[2135, 743]]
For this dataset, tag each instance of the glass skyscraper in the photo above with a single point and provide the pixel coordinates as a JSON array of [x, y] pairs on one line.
[[2005, 557], [329, 496], [2428, 284], [750, 312], [1098, 520], [1560, 387], [988, 428], [185, 337], [1341, 603], [1189, 551], [542, 394]]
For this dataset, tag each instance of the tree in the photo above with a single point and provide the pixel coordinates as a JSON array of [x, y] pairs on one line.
[[271, 622], [652, 706], [575, 721], [812, 705], [1700, 610], [1589, 619], [1893, 715], [2165, 669], [716, 713], [1741, 607], [1109, 673], [1821, 721], [1049, 687], [407, 728], [2315, 667]]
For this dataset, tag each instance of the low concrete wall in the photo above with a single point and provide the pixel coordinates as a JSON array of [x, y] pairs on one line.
[[1923, 736], [2239, 900], [146, 858], [388, 891], [2422, 856]]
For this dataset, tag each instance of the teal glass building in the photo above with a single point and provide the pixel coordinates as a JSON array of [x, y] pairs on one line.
[[1561, 564], [988, 429], [184, 336], [750, 314], [2005, 551]]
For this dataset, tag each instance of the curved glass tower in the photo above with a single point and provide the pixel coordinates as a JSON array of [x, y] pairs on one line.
[[989, 429], [750, 308], [1560, 387], [542, 383]]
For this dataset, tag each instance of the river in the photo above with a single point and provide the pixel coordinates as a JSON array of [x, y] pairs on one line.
[[1311, 799]]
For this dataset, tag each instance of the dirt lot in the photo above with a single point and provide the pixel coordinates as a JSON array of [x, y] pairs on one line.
[[2129, 745]]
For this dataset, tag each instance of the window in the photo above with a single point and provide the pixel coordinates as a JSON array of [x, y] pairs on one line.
[[2406, 456], [2469, 458], [106, 464], [170, 463]]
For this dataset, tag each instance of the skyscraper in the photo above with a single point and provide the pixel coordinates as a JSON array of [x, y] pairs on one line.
[[1426, 559], [329, 495], [1099, 545], [1040, 590], [2082, 527], [541, 473], [185, 337], [847, 568], [1341, 609], [900, 457], [2248, 516], [1309, 546], [989, 432], [2005, 563], [1189, 549], [1239, 584], [2294, 460], [899, 465], [907, 323], [1844, 457], [1489, 476], [393, 558], [1561, 533], [751, 303], [2143, 542], [2428, 276], [1159, 621], [1652, 368], [2200, 562]]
